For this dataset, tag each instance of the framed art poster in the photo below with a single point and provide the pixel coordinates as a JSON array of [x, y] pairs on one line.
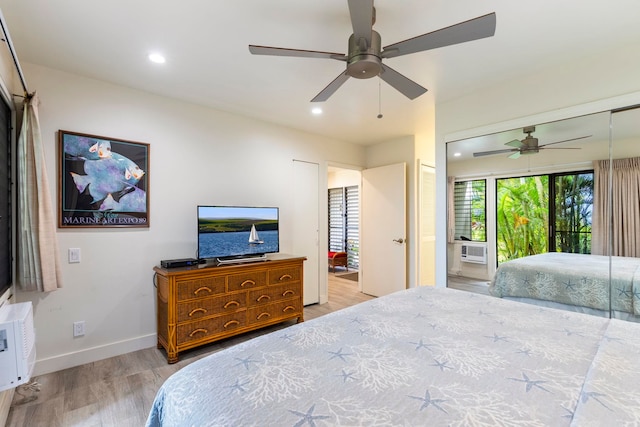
[[102, 181]]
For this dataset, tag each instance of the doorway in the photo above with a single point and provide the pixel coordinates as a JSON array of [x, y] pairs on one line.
[[343, 237]]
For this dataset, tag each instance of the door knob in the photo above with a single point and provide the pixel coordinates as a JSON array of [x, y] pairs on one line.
[[399, 241]]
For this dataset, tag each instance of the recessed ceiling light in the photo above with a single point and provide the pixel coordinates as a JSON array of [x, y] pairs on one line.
[[316, 110], [457, 154], [157, 58]]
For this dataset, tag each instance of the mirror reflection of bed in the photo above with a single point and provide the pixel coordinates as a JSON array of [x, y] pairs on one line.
[[537, 226]]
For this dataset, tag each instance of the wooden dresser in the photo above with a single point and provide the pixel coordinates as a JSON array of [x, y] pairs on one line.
[[202, 304]]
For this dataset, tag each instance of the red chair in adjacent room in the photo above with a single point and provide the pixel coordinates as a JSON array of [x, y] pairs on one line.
[[337, 259]]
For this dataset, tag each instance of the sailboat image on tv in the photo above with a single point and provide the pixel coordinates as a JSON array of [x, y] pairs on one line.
[[254, 239]]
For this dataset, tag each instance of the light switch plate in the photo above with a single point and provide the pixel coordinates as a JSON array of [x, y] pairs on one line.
[[74, 255]]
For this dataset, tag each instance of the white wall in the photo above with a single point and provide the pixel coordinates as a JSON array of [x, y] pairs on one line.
[[197, 155], [343, 178], [594, 84]]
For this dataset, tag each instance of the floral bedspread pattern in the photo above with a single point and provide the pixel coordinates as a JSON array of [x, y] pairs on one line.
[[424, 356], [574, 279]]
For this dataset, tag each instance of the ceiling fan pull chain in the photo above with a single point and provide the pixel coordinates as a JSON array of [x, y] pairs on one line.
[[379, 99]]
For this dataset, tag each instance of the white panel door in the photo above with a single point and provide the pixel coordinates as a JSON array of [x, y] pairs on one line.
[[427, 225], [306, 194], [383, 251]]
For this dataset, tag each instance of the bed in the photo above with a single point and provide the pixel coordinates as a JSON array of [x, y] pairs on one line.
[[424, 356], [576, 282]]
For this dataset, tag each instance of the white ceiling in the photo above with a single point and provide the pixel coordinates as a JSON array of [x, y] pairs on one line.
[[208, 61]]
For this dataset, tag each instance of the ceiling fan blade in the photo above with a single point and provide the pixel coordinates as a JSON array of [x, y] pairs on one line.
[[281, 51], [491, 153], [515, 155], [407, 87], [474, 29], [331, 87], [361, 19], [565, 140], [515, 143]]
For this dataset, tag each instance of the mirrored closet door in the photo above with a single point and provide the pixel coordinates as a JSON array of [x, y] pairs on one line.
[[527, 213]]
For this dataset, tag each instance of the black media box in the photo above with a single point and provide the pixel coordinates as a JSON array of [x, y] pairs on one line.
[[174, 263]]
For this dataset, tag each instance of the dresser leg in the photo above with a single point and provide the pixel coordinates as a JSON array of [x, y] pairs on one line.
[[300, 319], [172, 358]]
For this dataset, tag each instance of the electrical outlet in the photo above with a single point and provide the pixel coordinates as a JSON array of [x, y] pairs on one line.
[[78, 328]]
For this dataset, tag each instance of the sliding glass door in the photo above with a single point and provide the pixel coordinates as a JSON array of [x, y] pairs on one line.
[[543, 213]]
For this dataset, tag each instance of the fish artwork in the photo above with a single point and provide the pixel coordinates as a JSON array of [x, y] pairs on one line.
[[81, 147], [107, 176], [135, 200]]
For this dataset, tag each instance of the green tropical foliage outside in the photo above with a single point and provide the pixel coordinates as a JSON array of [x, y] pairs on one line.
[[523, 209], [522, 216], [573, 209]]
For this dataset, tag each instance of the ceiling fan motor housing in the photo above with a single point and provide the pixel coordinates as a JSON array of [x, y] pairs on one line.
[[364, 61]]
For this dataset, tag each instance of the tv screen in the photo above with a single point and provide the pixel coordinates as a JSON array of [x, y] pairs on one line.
[[227, 232]]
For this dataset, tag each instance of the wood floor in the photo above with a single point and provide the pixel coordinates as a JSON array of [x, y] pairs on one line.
[[468, 284], [119, 391]]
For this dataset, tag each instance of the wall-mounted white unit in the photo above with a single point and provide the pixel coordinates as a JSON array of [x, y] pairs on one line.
[[474, 252], [17, 344]]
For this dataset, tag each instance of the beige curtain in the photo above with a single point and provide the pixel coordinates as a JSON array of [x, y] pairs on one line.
[[38, 268], [622, 226], [451, 209]]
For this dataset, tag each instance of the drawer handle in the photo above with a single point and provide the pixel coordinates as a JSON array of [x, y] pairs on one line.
[[247, 282], [197, 331], [195, 310], [285, 277], [231, 323], [230, 303], [288, 308], [261, 297], [261, 315], [288, 292], [204, 288]]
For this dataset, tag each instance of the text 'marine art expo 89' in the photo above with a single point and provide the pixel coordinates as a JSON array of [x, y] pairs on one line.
[[103, 182]]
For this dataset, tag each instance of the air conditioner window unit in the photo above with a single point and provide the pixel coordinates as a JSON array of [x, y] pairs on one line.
[[17, 344], [474, 253]]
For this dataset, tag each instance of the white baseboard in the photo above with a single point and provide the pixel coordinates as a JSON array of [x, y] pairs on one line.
[[69, 360]]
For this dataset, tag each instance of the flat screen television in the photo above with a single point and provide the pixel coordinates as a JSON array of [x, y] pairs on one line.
[[229, 233]]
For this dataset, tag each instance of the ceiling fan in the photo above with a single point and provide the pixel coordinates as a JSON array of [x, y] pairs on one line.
[[364, 57], [529, 145]]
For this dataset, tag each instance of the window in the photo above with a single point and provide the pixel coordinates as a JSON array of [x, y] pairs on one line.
[[344, 219], [5, 198], [470, 210]]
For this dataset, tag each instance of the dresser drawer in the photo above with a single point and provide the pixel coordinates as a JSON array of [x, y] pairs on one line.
[[200, 288], [248, 280], [206, 307], [284, 274], [274, 293], [265, 313], [196, 331]]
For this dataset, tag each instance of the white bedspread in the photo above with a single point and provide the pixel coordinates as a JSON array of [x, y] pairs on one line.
[[573, 279], [425, 356]]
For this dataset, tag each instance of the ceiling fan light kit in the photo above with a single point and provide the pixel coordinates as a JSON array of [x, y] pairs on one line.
[[365, 54]]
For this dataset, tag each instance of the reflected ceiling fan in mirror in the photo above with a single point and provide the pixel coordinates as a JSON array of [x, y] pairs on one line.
[[365, 55], [528, 145]]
